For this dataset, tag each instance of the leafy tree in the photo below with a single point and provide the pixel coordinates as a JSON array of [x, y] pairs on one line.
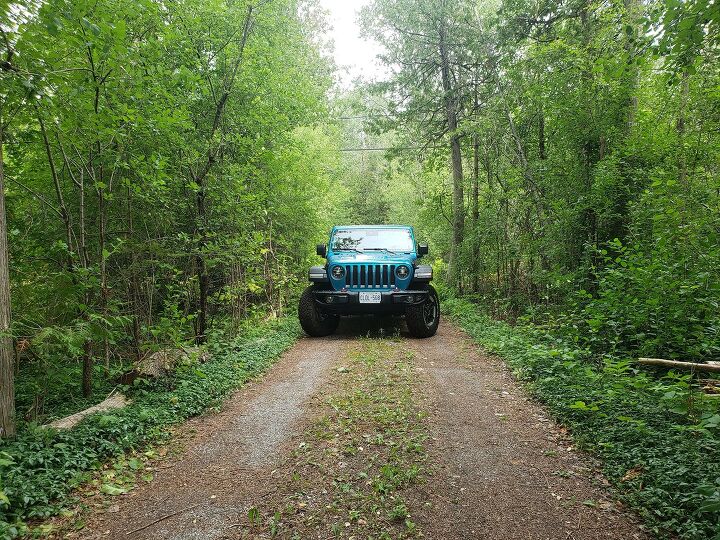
[[428, 44], [154, 165], [589, 132]]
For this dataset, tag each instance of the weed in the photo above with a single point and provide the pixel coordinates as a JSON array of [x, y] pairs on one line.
[[361, 456]]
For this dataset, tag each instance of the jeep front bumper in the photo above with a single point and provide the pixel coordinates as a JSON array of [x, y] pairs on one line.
[[348, 302]]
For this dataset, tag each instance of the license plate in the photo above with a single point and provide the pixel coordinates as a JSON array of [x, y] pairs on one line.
[[370, 297]]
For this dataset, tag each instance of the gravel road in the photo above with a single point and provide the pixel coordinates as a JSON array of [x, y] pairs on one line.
[[498, 467]]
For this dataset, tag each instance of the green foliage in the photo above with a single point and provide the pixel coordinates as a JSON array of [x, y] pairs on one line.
[[40, 468], [685, 28], [166, 170], [661, 302], [658, 438], [590, 148]]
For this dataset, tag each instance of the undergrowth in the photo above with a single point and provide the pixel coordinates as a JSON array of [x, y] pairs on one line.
[[58, 385], [659, 439], [41, 467]]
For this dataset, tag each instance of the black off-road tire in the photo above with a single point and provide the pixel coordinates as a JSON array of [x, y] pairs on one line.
[[314, 322], [423, 320]]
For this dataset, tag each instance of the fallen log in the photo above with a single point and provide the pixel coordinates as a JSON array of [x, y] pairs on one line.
[[710, 386], [166, 361], [711, 367], [114, 401]]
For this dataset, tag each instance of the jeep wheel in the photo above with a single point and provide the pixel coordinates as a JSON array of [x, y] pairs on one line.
[[313, 321], [423, 320]]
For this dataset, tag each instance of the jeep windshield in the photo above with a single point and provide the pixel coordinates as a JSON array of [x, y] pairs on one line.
[[392, 240]]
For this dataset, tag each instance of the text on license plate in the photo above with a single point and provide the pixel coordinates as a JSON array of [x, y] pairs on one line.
[[369, 297]]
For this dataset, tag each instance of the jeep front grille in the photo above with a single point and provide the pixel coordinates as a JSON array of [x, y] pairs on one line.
[[370, 276]]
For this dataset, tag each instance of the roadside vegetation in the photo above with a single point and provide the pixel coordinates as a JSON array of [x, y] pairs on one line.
[[564, 160], [41, 467], [165, 174], [658, 436], [349, 476]]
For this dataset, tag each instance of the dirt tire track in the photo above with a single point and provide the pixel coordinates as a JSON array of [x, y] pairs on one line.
[[229, 460], [502, 469]]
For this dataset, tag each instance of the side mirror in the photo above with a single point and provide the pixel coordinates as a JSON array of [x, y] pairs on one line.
[[422, 249], [321, 250]]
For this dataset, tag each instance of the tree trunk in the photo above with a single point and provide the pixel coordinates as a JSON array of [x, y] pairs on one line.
[[67, 221], [7, 352], [85, 262], [236, 277], [458, 208], [200, 178], [82, 248], [202, 271], [532, 187], [632, 16], [476, 215], [104, 293], [680, 126], [87, 368], [134, 285]]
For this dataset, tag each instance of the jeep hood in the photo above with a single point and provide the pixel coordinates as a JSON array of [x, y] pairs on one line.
[[380, 257]]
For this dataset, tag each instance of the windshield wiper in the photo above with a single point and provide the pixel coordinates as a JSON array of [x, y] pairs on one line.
[[356, 250], [381, 249]]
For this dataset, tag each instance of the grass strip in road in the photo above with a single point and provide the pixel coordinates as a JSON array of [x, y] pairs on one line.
[[41, 467], [659, 440], [350, 476]]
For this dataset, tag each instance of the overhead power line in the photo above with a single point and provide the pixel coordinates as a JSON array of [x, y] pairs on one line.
[[383, 148], [364, 117]]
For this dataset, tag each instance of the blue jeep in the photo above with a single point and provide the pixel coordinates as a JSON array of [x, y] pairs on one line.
[[370, 269]]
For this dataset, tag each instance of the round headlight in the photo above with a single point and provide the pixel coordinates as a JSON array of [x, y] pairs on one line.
[[402, 271], [338, 272]]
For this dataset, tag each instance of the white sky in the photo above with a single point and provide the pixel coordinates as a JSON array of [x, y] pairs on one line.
[[354, 55]]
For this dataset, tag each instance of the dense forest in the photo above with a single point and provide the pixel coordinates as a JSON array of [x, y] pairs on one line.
[[167, 167], [164, 173], [583, 142]]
